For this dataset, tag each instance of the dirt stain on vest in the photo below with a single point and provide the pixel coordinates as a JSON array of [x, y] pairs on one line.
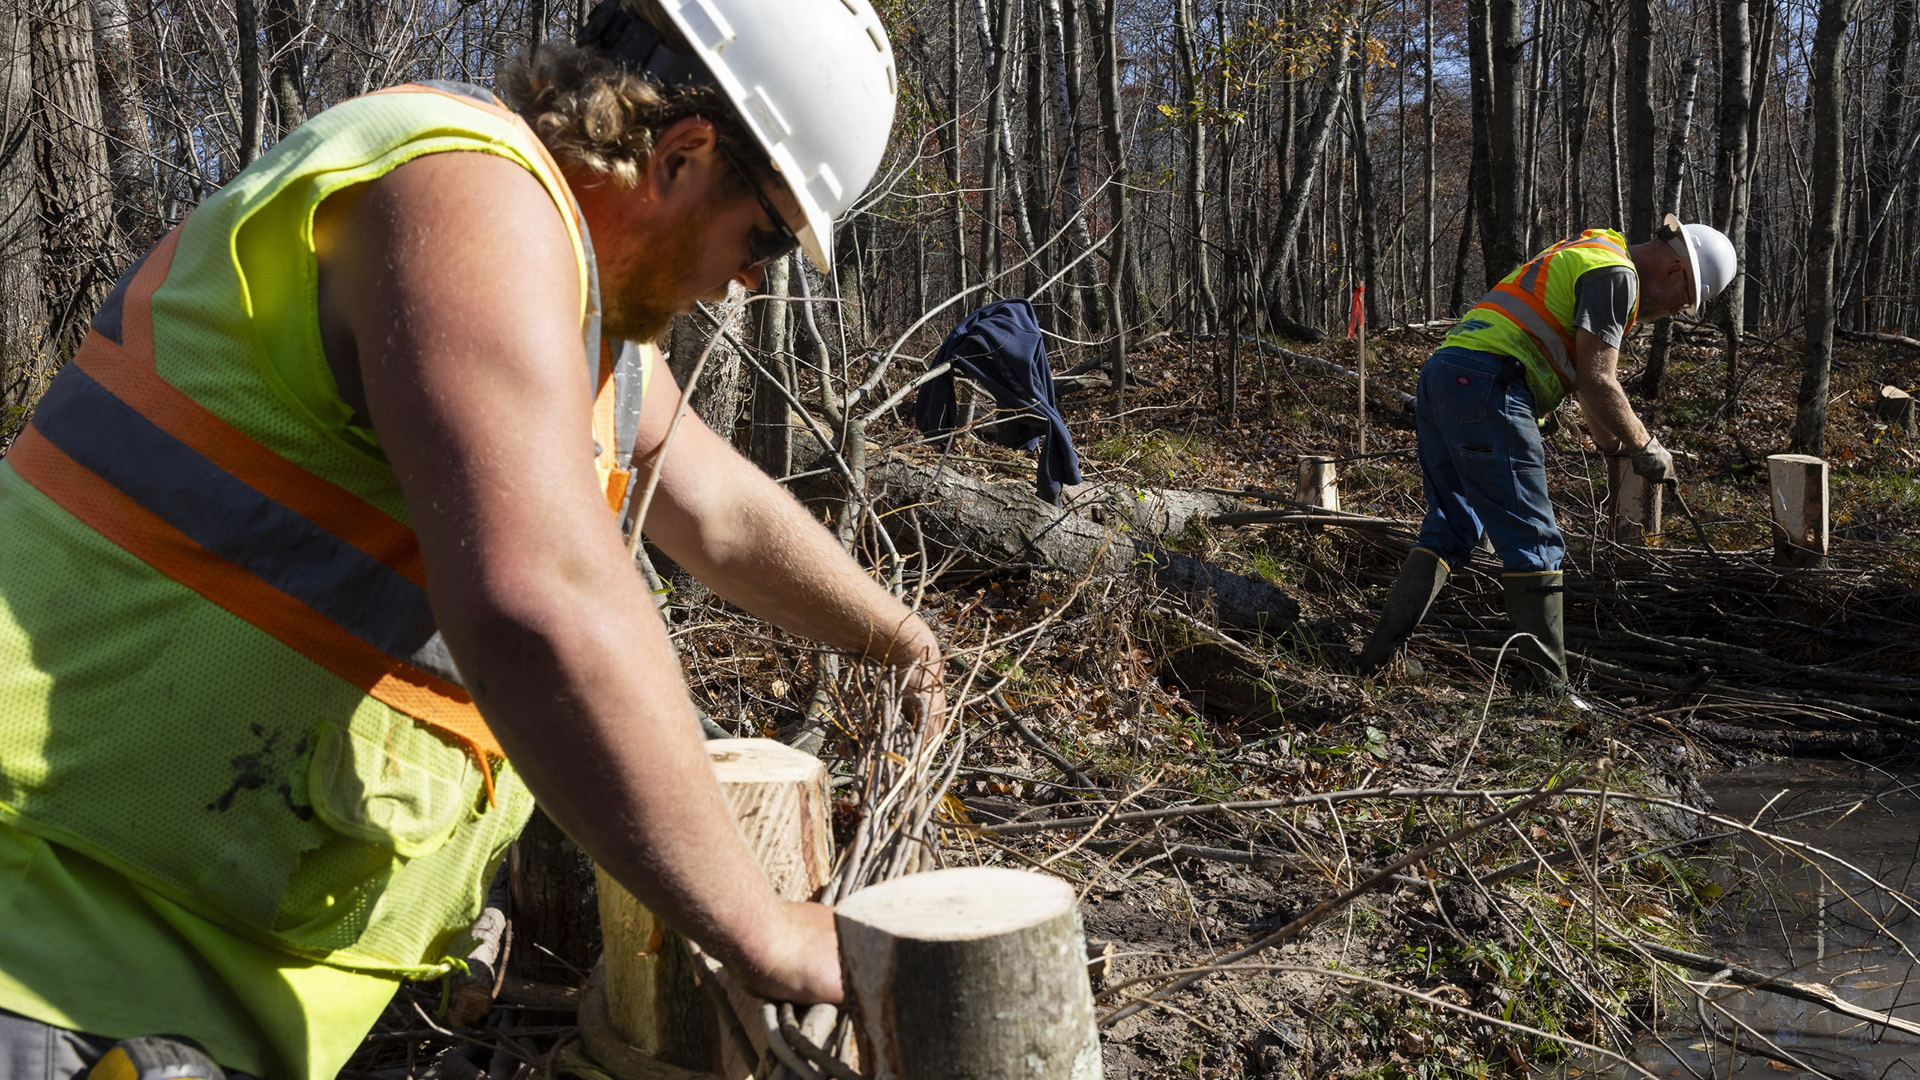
[[256, 768]]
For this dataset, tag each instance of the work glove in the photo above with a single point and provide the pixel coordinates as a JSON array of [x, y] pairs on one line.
[[1654, 462]]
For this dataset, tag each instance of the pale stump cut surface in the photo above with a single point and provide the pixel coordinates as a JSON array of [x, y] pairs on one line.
[[1798, 487], [779, 800], [976, 973]]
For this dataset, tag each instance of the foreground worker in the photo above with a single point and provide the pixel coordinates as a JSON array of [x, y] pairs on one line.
[[330, 448], [1551, 329]]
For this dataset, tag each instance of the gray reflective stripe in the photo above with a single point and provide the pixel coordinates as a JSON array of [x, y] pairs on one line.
[[1602, 241], [626, 400], [591, 326], [1530, 273], [234, 520], [1536, 327]]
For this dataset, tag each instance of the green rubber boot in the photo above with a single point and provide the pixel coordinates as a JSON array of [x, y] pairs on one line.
[[1421, 577], [1537, 605]]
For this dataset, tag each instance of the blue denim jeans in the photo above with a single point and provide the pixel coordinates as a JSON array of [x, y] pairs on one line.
[[1482, 464]]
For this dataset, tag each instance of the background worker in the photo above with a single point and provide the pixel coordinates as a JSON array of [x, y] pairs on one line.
[[1550, 329], [325, 457]]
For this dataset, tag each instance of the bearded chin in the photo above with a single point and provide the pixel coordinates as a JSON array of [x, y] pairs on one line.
[[636, 322]]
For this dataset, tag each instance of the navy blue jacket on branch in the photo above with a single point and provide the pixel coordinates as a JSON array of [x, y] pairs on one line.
[[999, 347]]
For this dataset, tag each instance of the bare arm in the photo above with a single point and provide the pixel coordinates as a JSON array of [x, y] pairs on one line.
[[1603, 401], [452, 282], [727, 522]]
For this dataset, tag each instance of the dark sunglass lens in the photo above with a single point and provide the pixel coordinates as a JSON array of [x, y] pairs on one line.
[[764, 245]]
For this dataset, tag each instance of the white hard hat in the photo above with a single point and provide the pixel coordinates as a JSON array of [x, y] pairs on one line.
[[1710, 258], [812, 80]]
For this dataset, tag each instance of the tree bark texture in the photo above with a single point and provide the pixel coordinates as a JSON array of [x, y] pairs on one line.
[[974, 973], [124, 111], [1103, 528], [1823, 237], [1883, 165], [1497, 49], [556, 914], [1640, 133], [76, 190], [1731, 170], [247, 22], [1655, 371], [1293, 209], [771, 443], [285, 84], [22, 306]]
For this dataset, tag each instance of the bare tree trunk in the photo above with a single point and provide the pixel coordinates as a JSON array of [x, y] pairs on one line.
[[1882, 160], [247, 16], [771, 444], [1827, 155], [960, 268], [76, 193], [1427, 226], [1363, 194], [1640, 168], [1063, 97], [1202, 315], [996, 42], [1731, 178], [1457, 300], [22, 310], [284, 29], [1494, 61], [129, 147], [1649, 383], [1293, 211], [1118, 203]]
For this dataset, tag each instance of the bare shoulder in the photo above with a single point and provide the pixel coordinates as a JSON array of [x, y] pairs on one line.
[[462, 236]]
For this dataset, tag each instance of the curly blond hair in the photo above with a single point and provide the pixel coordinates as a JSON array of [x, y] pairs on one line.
[[600, 116]]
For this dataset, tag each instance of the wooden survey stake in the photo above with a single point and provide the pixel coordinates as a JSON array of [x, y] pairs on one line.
[[970, 974], [1634, 514], [1797, 484], [652, 997]]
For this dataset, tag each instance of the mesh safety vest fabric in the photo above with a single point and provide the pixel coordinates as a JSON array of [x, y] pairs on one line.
[[218, 671], [1528, 315]]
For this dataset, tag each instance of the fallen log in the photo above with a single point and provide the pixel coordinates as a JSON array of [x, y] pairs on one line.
[[1878, 338], [1103, 528]]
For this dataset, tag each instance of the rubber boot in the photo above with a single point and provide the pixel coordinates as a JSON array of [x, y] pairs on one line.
[[1421, 577], [1537, 605]]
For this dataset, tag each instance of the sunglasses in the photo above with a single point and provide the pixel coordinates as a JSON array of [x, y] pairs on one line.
[[763, 245]]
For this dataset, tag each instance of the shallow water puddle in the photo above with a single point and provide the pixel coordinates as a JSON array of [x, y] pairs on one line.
[[1828, 928]]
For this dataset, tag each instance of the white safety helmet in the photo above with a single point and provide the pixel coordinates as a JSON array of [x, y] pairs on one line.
[[1709, 255], [812, 80]]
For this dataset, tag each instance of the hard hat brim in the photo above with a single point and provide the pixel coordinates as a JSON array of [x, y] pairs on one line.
[[1682, 245]]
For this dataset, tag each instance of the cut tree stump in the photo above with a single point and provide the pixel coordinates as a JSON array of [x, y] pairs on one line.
[[1798, 483], [1319, 486], [652, 997], [1634, 514], [1895, 407], [978, 973]]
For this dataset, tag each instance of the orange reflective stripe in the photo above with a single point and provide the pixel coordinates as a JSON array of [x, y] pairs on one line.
[[141, 533], [129, 372]]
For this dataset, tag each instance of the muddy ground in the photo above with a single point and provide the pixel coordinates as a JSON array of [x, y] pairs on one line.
[[1112, 679]]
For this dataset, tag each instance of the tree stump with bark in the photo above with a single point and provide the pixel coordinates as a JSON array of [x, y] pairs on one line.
[[647, 1005], [1634, 507], [1798, 484], [1895, 408], [977, 973]]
